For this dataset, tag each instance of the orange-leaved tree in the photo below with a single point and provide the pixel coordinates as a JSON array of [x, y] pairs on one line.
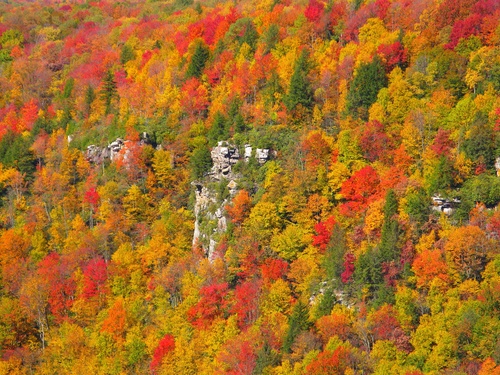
[[240, 208], [467, 251]]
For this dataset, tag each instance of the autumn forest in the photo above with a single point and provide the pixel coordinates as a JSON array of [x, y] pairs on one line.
[[250, 187]]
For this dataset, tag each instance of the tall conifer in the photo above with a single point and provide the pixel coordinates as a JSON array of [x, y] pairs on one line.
[[300, 91]]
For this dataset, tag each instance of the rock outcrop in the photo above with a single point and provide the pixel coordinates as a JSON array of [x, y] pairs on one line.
[[444, 205], [97, 155], [210, 219], [224, 156], [248, 152], [262, 155], [203, 201], [210, 213]]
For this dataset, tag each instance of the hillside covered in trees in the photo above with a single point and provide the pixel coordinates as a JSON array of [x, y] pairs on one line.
[[250, 187]]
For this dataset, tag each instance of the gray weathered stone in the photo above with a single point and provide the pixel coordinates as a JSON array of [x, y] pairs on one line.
[[248, 152], [97, 155], [232, 187], [224, 156], [262, 155], [444, 205], [207, 208]]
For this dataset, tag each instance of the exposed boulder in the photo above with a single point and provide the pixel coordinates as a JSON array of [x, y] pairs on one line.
[[224, 156], [444, 205], [145, 139], [262, 155], [115, 147], [97, 155], [248, 152], [232, 187]]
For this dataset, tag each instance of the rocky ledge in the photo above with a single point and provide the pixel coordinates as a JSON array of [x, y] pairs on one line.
[[225, 156], [97, 154]]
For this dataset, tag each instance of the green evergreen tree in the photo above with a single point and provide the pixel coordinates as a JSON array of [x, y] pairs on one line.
[[273, 86], [441, 178], [234, 108], [201, 162], [219, 130], [390, 229], [68, 88], [239, 124], [417, 206], [300, 91], [109, 92], [219, 48], [250, 35], [271, 37], [480, 143], [198, 61], [384, 294], [368, 270], [326, 303], [242, 31], [483, 188], [333, 262], [198, 8], [363, 90], [266, 357], [297, 323], [89, 98], [127, 54], [67, 103], [235, 118], [15, 152], [181, 4]]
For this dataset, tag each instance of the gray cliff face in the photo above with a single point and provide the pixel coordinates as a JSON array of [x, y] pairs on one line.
[[97, 155], [224, 156], [210, 213]]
